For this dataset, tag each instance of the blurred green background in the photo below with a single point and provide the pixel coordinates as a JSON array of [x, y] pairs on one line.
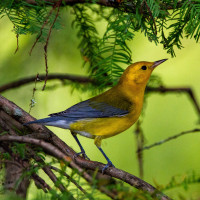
[[165, 115]]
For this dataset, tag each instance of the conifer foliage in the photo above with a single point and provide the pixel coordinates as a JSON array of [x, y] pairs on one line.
[[165, 22]]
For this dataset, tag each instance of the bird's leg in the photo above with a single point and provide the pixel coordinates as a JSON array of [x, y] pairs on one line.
[[79, 144], [97, 141]]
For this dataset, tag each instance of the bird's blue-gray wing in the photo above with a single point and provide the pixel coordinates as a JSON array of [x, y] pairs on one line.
[[82, 110], [91, 109]]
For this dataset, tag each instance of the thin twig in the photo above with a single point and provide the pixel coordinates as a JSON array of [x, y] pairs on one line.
[[17, 48], [47, 170], [28, 80], [39, 182], [47, 41], [186, 90], [140, 143], [70, 178], [169, 138], [40, 34], [32, 103], [11, 162]]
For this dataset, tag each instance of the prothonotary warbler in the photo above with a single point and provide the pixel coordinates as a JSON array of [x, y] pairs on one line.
[[109, 113]]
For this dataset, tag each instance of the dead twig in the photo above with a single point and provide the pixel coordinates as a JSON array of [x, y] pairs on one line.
[[57, 5], [41, 30], [32, 103], [169, 138]]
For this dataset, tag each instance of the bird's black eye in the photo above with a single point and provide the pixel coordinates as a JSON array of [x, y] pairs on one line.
[[144, 67]]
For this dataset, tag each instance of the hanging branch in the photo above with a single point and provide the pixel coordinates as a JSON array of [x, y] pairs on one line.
[[57, 5]]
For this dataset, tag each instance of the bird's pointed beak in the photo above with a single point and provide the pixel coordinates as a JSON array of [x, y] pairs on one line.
[[156, 63]]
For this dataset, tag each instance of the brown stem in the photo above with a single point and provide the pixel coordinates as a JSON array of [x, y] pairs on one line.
[[27, 80], [169, 138], [40, 183], [186, 90], [114, 172], [140, 143], [46, 146], [70, 178], [56, 5], [40, 34]]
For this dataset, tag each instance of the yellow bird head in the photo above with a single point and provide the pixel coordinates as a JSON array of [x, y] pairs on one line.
[[139, 73]]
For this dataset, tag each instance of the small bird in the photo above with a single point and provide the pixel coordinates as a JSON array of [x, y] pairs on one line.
[[109, 113]]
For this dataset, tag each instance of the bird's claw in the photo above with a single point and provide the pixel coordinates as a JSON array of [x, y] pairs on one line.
[[83, 154], [109, 164]]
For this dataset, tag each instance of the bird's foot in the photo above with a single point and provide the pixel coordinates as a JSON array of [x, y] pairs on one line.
[[83, 155], [109, 164]]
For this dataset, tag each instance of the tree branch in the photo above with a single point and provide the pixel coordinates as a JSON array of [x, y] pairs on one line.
[[52, 150], [114, 172], [40, 183], [186, 90], [63, 150], [86, 80], [27, 80], [70, 178], [168, 139], [7, 123]]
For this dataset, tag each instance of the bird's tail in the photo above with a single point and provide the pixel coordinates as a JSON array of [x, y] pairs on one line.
[[39, 121], [56, 121]]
